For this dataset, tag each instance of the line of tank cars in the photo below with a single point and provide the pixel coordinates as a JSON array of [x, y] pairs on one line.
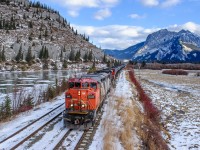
[[85, 96]]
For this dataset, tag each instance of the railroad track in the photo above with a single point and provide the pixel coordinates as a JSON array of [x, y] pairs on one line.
[[59, 144], [28, 128], [87, 137]]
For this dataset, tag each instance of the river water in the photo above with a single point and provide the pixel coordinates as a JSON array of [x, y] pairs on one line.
[[17, 80]]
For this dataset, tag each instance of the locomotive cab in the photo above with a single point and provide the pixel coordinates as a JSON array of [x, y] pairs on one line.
[[85, 97], [80, 101]]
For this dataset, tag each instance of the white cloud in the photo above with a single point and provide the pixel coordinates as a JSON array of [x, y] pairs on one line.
[[162, 3], [102, 13], [74, 6], [123, 36], [136, 16], [169, 3], [113, 36], [150, 2], [110, 3], [79, 3], [73, 13], [191, 26]]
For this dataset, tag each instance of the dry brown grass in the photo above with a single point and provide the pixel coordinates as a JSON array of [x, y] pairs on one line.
[[137, 131], [148, 131], [111, 134], [108, 144], [127, 132]]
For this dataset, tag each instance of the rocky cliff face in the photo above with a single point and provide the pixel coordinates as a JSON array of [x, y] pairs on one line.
[[24, 24]]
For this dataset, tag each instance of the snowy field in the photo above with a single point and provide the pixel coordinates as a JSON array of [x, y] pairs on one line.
[[111, 133], [178, 99]]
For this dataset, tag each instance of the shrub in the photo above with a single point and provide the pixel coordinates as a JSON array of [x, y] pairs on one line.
[[27, 104], [151, 131], [51, 93], [5, 109], [175, 72], [150, 109]]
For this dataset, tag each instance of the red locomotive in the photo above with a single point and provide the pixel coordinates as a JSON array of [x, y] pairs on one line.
[[85, 96]]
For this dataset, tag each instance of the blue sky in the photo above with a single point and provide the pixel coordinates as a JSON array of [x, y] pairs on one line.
[[118, 24]]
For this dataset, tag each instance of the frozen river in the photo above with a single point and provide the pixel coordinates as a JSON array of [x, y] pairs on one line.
[[17, 80]]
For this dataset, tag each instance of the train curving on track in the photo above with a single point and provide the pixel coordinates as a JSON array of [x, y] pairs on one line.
[[85, 96]]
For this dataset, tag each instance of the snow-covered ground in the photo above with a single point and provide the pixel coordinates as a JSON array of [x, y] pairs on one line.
[[110, 133], [25, 118], [112, 126], [177, 97]]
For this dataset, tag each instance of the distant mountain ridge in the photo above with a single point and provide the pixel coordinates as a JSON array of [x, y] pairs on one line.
[[124, 54], [166, 46]]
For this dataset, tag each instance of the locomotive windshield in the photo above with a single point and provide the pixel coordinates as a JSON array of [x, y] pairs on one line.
[[71, 84], [93, 85], [77, 84], [85, 85]]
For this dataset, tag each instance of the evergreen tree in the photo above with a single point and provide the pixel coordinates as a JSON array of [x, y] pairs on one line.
[[76, 32], [108, 63], [85, 57], [94, 64], [78, 55], [19, 55], [30, 36], [41, 54], [46, 53], [90, 55], [40, 36], [143, 64], [46, 32], [93, 68], [30, 24], [24, 16], [1, 26], [65, 64], [87, 39], [71, 55], [0, 56], [104, 58], [3, 57], [29, 56], [8, 110], [61, 55], [2, 112], [64, 49]]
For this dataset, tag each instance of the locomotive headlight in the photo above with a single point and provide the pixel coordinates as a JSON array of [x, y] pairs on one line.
[[83, 106], [71, 105], [79, 92]]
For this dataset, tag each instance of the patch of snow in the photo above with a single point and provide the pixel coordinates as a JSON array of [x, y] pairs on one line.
[[195, 54], [111, 119]]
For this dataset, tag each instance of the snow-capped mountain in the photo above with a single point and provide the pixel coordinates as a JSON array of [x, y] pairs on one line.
[[165, 46], [124, 54]]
